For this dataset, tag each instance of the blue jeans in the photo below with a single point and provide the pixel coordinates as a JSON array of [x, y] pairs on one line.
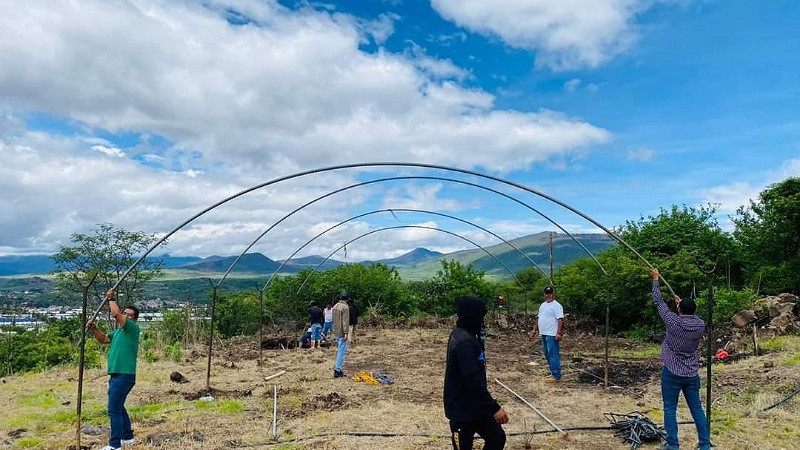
[[316, 331], [326, 328], [119, 385], [552, 354], [341, 343], [671, 387]]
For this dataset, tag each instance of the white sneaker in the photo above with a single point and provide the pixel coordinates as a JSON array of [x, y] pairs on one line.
[[108, 447], [130, 441]]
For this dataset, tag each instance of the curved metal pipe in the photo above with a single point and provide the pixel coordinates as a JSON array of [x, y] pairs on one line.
[[407, 226], [377, 164], [392, 210], [409, 177]]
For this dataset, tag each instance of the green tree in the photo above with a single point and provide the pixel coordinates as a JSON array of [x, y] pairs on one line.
[[769, 231], [237, 314], [451, 282], [106, 253]]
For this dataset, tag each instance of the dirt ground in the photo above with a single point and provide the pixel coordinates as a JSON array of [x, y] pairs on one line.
[[313, 407]]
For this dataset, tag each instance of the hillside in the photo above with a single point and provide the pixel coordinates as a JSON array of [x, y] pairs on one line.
[[249, 263], [535, 246]]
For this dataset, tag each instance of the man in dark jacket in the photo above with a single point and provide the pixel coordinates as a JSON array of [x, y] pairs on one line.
[[467, 402]]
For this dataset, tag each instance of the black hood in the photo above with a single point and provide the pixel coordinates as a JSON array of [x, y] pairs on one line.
[[471, 311]]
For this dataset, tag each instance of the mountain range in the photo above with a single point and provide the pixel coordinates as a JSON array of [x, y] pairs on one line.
[[416, 264]]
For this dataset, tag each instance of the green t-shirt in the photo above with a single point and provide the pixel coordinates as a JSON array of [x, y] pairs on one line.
[[124, 347]]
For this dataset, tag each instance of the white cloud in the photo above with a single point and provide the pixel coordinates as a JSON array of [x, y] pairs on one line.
[[572, 85], [730, 196], [238, 104], [426, 197], [292, 88], [110, 151], [566, 34], [790, 168], [641, 154]]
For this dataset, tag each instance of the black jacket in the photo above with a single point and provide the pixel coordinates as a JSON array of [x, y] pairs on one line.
[[316, 315], [466, 396]]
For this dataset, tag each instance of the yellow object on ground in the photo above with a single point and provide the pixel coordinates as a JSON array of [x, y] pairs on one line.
[[366, 377]]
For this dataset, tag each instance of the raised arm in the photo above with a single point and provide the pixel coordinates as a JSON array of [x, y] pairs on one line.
[[114, 308], [663, 310]]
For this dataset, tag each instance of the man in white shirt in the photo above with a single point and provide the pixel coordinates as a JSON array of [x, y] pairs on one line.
[[551, 327]]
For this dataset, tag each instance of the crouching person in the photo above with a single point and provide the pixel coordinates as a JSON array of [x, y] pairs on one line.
[[467, 402]]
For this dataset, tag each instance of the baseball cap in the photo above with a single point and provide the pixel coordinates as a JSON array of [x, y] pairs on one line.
[[548, 290]]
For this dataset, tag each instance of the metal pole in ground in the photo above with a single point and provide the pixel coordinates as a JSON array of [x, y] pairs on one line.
[[709, 346], [82, 358], [211, 333], [564, 434], [275, 413], [260, 328], [605, 380]]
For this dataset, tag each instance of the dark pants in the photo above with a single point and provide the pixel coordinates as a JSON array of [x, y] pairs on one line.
[[462, 434], [671, 387], [119, 385]]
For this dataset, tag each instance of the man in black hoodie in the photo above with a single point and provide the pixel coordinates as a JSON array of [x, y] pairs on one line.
[[467, 402]]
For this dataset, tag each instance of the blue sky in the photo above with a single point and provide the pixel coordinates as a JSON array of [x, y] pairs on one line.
[[143, 112]]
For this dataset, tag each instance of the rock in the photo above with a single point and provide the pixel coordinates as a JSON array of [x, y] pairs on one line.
[[785, 323], [17, 433], [177, 377], [788, 298], [769, 364], [94, 431], [744, 317], [502, 322], [779, 309]]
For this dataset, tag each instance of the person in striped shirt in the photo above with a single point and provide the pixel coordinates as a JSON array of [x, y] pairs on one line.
[[679, 374]]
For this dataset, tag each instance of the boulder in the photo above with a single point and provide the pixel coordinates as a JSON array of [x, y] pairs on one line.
[[744, 317], [177, 377], [779, 309], [785, 323], [502, 322]]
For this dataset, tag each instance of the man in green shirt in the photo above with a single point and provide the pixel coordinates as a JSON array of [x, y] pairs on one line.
[[121, 368]]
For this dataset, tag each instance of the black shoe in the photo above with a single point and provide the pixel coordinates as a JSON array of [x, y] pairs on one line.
[[338, 374]]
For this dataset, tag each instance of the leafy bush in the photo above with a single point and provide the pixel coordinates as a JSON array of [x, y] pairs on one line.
[[727, 302], [174, 352]]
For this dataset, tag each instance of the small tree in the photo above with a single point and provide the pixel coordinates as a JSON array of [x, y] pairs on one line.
[[105, 254]]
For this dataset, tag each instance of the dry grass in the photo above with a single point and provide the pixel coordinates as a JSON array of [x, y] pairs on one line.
[[311, 402]]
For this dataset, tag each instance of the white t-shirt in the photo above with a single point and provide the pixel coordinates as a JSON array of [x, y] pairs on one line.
[[328, 314], [549, 313]]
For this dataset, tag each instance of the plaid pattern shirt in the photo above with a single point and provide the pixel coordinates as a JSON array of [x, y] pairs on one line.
[[679, 349]]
